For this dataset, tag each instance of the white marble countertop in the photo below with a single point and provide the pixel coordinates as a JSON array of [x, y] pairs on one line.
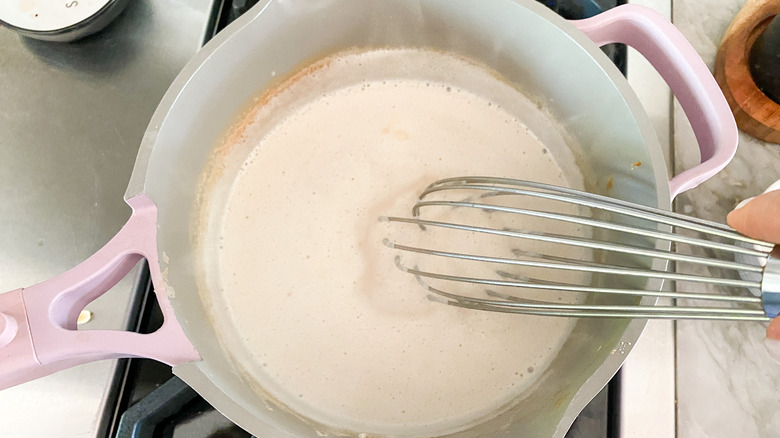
[[727, 385]]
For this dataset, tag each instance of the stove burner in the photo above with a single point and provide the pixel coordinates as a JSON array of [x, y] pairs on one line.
[[175, 410]]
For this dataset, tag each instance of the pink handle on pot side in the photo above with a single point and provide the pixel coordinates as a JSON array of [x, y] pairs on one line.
[[689, 78], [38, 334]]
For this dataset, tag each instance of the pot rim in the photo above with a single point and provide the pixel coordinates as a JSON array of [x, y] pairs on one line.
[[198, 377]]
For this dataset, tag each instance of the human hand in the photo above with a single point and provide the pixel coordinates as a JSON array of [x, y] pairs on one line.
[[759, 218]]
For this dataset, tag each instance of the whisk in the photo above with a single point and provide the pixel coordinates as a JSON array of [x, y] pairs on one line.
[[633, 250]]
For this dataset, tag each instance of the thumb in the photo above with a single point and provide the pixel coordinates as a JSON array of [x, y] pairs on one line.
[[759, 218], [773, 331]]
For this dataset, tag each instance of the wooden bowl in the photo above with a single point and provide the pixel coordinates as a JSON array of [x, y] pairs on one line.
[[755, 113]]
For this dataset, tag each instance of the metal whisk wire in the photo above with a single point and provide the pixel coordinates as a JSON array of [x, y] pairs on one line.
[[663, 226]]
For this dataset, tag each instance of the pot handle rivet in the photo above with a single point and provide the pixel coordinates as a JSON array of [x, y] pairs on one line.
[[8, 329]]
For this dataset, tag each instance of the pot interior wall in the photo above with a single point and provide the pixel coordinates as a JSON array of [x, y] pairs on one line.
[[598, 119]]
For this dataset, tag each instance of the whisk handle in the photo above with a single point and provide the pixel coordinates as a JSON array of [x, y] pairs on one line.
[[682, 68], [770, 284]]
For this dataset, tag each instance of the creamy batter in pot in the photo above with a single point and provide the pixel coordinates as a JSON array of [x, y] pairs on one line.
[[324, 320]]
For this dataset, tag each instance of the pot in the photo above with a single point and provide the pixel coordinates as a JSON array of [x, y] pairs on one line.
[[556, 63]]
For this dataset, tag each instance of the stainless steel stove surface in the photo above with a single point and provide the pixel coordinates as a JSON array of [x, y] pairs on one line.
[[72, 117]]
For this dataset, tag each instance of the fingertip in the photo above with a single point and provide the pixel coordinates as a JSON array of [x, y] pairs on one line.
[[739, 218], [759, 218], [773, 330], [735, 218]]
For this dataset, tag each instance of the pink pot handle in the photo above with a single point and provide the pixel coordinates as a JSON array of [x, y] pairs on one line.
[[38, 334], [689, 78]]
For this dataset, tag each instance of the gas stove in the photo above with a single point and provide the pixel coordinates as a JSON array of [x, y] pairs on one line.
[[108, 84]]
